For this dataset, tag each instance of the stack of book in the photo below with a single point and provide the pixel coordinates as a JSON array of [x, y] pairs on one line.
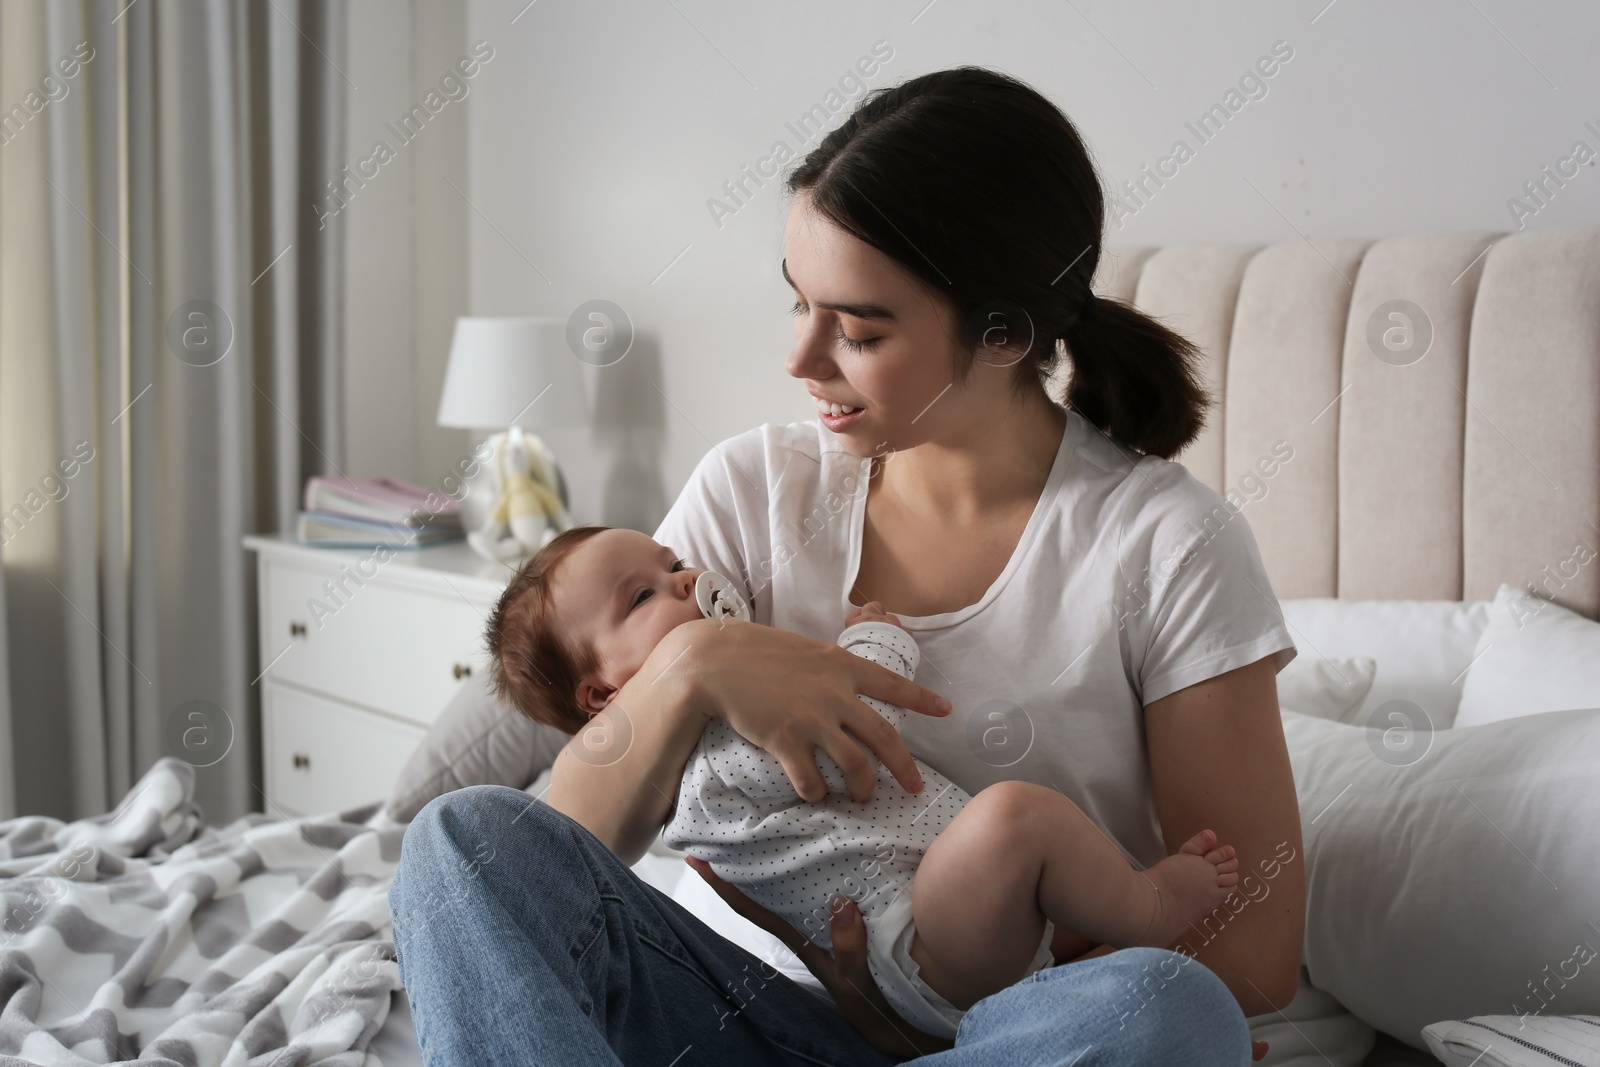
[[351, 512]]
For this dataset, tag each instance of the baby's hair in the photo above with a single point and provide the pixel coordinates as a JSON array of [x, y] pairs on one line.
[[530, 664]]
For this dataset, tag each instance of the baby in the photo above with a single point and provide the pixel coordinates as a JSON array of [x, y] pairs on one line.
[[962, 895]]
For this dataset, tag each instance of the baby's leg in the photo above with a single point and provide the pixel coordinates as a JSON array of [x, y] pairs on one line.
[[1019, 853]]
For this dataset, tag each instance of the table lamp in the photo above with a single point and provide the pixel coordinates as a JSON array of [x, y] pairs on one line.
[[507, 377]]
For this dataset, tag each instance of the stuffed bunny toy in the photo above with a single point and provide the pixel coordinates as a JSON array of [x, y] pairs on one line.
[[527, 512]]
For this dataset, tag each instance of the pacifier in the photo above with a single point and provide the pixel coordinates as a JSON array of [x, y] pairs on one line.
[[718, 598]]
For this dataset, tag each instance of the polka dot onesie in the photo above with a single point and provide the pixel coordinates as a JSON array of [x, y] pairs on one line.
[[737, 810]]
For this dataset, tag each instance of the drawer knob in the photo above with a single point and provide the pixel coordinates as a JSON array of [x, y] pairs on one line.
[[462, 670], [302, 762], [297, 629]]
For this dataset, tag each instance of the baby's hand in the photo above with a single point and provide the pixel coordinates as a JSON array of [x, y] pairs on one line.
[[870, 612]]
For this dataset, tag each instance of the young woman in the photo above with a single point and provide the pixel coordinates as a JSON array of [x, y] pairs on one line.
[[1091, 619]]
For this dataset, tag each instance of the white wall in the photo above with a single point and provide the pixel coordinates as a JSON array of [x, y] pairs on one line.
[[439, 287], [600, 130], [378, 221], [405, 237]]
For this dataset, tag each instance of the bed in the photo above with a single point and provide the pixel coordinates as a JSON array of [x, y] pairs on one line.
[[1438, 401]]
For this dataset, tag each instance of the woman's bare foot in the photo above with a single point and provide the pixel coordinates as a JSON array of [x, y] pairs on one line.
[[1187, 886]]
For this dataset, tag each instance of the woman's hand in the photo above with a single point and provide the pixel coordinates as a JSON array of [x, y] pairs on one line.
[[789, 695], [844, 973]]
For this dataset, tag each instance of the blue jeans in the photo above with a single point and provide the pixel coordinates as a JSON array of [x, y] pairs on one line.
[[524, 940]]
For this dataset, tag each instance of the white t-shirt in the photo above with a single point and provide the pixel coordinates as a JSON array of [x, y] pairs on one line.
[[1132, 580]]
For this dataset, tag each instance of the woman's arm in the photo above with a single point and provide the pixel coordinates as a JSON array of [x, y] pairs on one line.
[[784, 693], [619, 776], [1218, 759]]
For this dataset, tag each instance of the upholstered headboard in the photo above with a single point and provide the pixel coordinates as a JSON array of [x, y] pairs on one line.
[[1433, 478]]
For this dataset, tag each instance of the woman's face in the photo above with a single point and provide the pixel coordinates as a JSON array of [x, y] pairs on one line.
[[869, 336]]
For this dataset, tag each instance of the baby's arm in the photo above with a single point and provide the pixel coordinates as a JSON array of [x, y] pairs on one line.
[[873, 634], [872, 611]]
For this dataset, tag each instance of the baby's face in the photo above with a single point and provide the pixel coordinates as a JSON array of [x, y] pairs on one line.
[[622, 593]]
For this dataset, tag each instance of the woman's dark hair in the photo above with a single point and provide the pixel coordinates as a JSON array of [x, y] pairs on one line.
[[983, 190]]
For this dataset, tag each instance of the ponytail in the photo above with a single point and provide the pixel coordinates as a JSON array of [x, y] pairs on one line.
[[1134, 378], [982, 189]]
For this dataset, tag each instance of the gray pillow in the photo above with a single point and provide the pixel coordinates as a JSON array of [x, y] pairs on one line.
[[476, 740]]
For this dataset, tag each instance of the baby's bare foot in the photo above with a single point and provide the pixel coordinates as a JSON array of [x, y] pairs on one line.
[[1189, 885]]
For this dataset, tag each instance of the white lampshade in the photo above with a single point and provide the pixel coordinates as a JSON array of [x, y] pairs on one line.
[[511, 371]]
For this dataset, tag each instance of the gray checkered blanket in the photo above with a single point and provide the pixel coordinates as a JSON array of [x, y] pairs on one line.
[[144, 935]]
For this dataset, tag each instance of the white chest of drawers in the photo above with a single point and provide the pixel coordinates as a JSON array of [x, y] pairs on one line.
[[359, 654]]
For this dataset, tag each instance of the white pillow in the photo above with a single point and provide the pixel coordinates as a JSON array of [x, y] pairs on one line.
[[1327, 688], [1312, 1030], [1447, 870], [1533, 656], [478, 739], [1510, 1041], [1422, 647]]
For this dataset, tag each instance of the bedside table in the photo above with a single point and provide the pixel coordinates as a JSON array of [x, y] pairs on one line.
[[358, 657]]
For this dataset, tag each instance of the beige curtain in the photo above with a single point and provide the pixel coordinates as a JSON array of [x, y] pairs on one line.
[[169, 369]]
